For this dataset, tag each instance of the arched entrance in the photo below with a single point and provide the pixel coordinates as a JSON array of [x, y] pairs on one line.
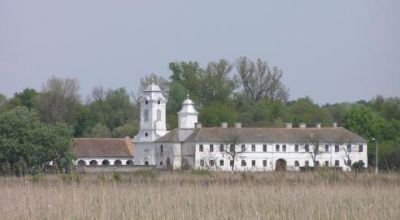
[[280, 165], [81, 163], [169, 167]]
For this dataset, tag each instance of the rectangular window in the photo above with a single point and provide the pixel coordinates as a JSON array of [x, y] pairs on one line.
[[327, 163], [316, 163], [231, 163], [212, 163], [221, 163], [306, 163], [284, 148], [243, 163], [349, 148], [201, 148], [317, 148], [243, 148], [296, 163], [337, 163], [211, 148], [221, 148], [253, 163], [360, 148], [277, 148], [307, 148], [161, 148], [348, 162], [296, 148], [264, 163], [265, 148], [336, 148], [202, 163], [232, 148], [253, 147], [327, 148]]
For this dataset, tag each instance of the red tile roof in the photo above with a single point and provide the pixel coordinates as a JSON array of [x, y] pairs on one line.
[[102, 147]]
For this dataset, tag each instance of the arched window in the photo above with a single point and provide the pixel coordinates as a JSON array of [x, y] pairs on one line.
[[105, 163], [146, 115], [147, 102], [117, 163], [81, 163], [159, 114], [129, 162], [93, 163], [146, 134], [159, 102]]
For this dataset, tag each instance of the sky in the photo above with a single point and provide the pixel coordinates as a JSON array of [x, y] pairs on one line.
[[332, 51]]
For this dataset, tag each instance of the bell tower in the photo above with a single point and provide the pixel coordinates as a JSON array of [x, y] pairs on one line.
[[187, 116], [152, 115]]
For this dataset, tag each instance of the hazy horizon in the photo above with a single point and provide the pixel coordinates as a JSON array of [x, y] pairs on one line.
[[337, 51]]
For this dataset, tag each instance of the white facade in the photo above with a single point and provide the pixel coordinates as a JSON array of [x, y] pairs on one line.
[[187, 116], [152, 124], [105, 161], [260, 160], [178, 150]]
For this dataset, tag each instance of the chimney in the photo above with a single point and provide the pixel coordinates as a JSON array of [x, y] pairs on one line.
[[238, 125], [198, 125], [289, 125], [318, 125], [224, 124], [303, 125], [334, 124]]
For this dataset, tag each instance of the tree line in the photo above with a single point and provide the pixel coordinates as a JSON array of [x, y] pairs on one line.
[[246, 91]]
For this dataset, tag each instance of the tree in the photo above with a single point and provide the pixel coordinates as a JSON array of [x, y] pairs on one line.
[[3, 100], [58, 100], [231, 147], [215, 113], [98, 131], [113, 108], [28, 145], [314, 150], [360, 120], [129, 129], [189, 75], [260, 81], [156, 79], [304, 110], [25, 98], [216, 84]]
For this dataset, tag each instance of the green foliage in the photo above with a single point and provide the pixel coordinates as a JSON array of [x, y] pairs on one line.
[[117, 177], [70, 178], [27, 145], [305, 111], [98, 131], [361, 120], [25, 98], [201, 172], [215, 113]]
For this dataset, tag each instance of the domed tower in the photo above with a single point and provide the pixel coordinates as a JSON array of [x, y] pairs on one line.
[[187, 116], [152, 115]]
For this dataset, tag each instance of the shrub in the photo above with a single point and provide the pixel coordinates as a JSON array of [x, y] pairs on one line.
[[117, 177], [201, 172], [38, 177]]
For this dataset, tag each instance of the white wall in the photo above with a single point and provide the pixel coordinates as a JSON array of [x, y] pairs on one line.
[[271, 156], [101, 159]]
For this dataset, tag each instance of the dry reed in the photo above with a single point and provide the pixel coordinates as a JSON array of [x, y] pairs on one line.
[[152, 195]]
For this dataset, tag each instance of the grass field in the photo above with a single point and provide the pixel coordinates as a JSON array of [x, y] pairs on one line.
[[202, 195]]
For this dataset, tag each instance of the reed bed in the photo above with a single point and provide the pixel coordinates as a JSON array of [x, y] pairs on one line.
[[202, 195]]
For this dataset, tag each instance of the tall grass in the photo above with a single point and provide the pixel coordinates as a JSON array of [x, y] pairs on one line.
[[187, 195]]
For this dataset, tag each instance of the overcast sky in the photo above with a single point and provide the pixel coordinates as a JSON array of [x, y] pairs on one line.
[[332, 51]]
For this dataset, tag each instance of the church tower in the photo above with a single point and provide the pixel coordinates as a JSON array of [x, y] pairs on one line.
[[187, 116], [152, 115]]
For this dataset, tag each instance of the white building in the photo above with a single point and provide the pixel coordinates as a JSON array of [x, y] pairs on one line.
[[190, 146]]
